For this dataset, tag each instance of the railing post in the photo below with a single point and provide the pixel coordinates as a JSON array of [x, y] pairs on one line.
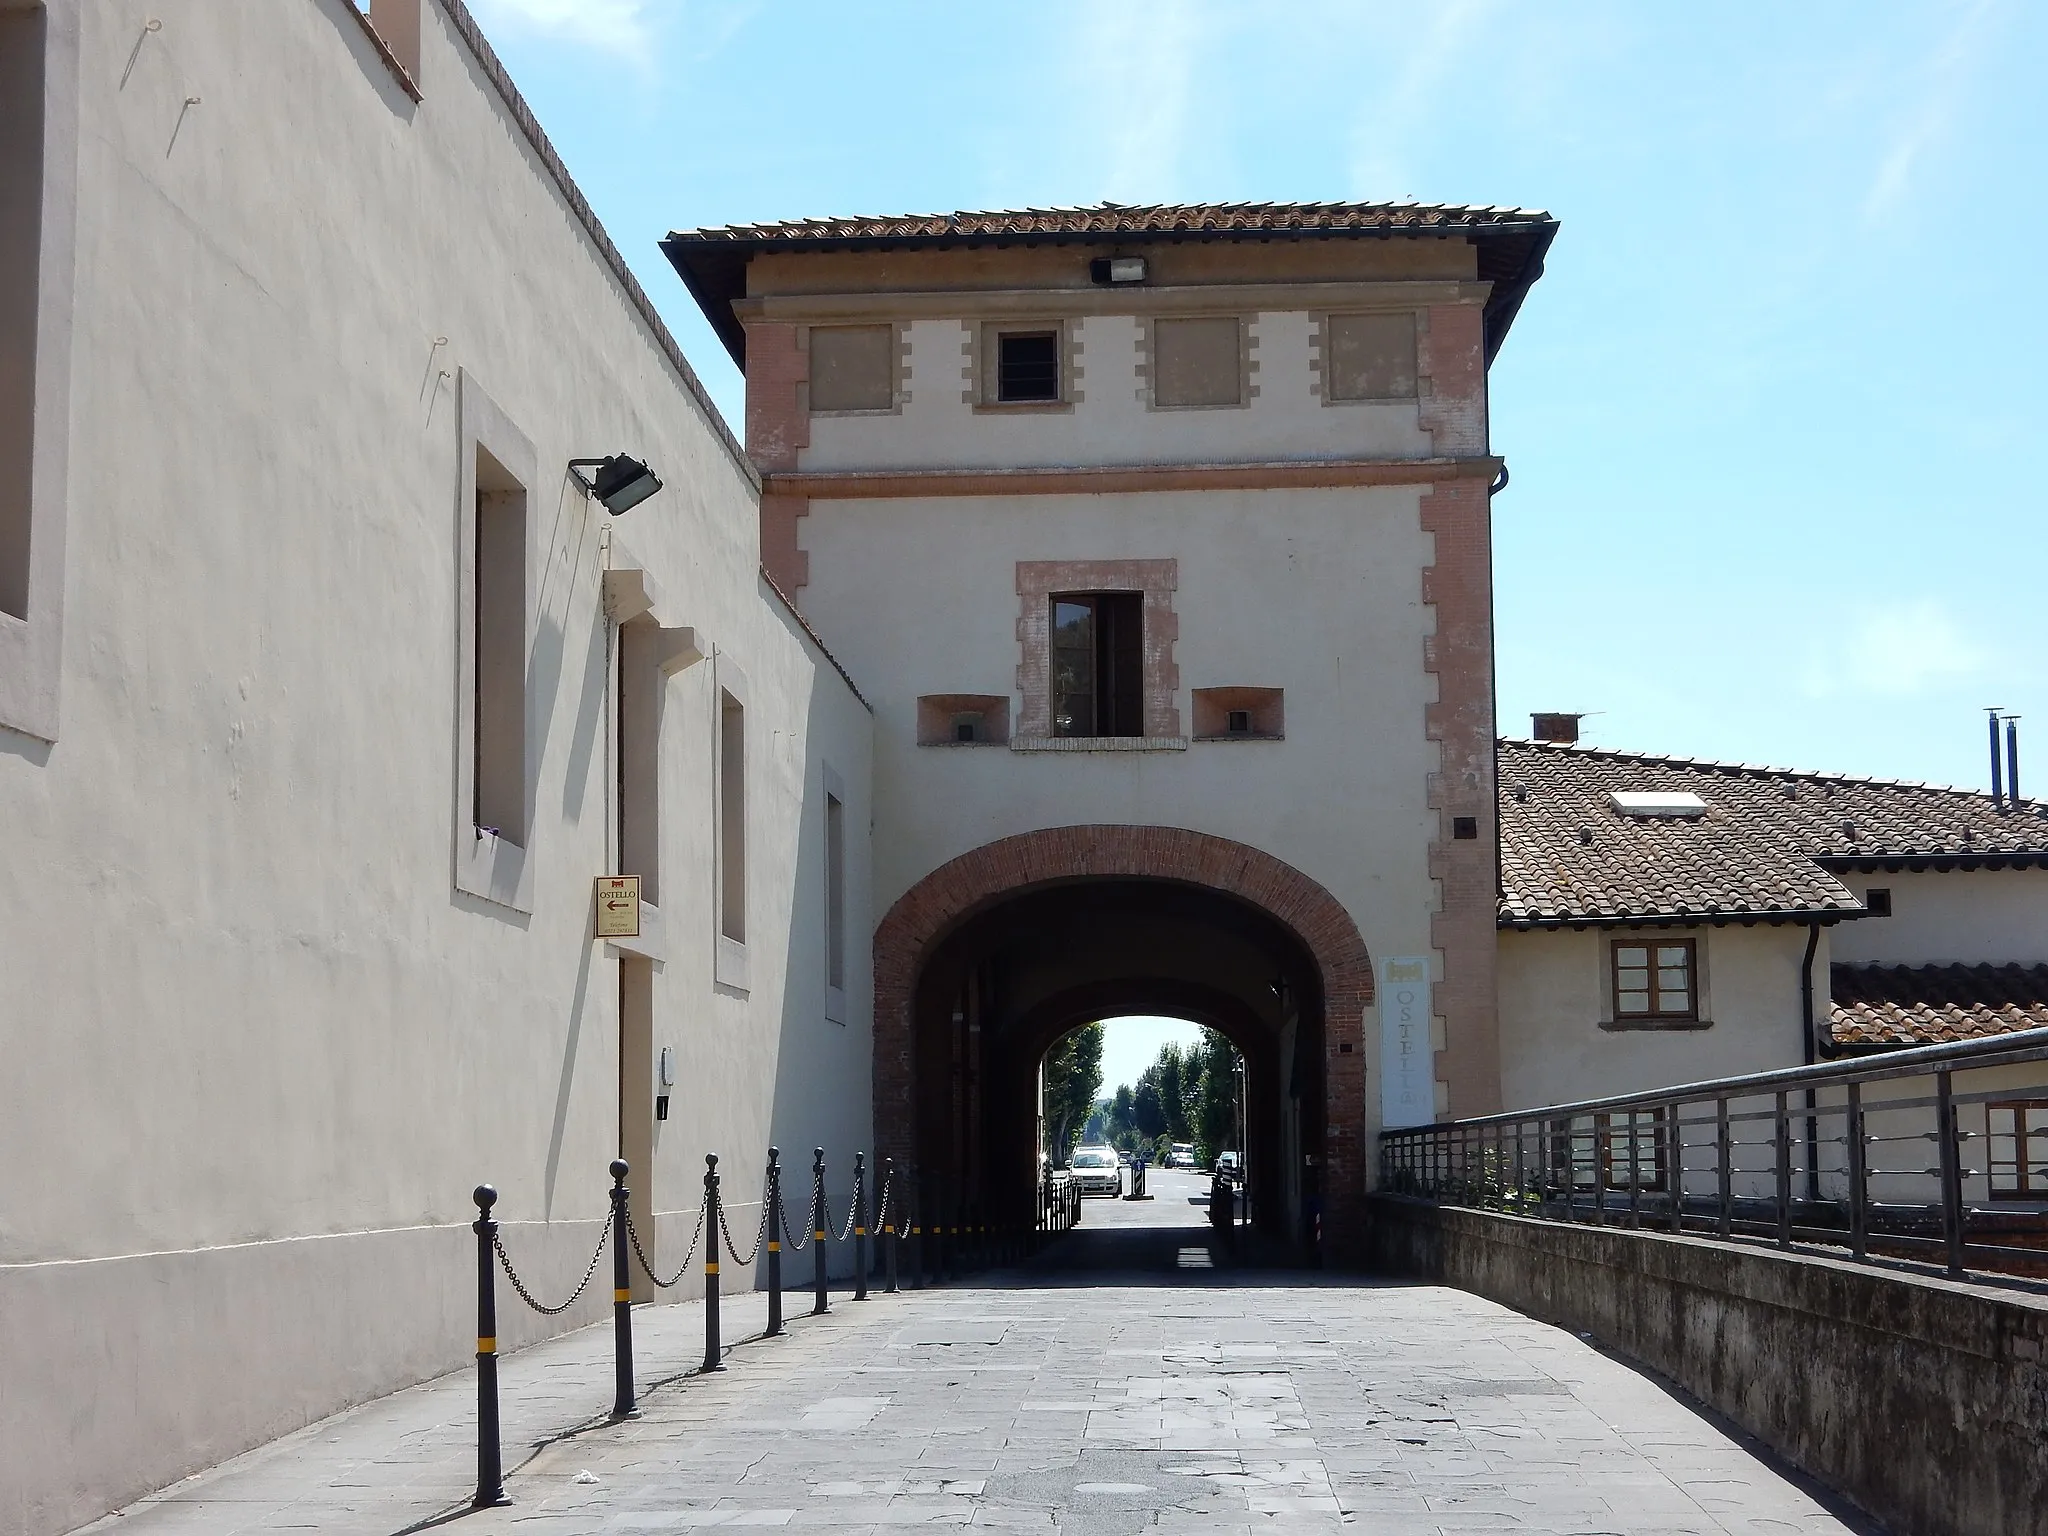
[[1635, 1169], [892, 1225], [1859, 1174], [819, 1307], [1783, 1128], [774, 1230], [1603, 1137], [1674, 1163], [622, 1301], [490, 1471], [1951, 1171], [860, 1226], [1725, 1153], [712, 1362]]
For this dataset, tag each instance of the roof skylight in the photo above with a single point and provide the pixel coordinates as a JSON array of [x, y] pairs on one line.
[[1648, 803]]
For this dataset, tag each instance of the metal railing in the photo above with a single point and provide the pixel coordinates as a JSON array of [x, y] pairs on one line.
[[1938, 1153]]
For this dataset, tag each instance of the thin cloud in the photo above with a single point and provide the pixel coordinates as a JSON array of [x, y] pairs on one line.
[[1897, 652], [610, 26], [1136, 65], [1943, 92]]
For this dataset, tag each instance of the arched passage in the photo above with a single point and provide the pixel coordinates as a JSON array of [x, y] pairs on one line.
[[994, 955]]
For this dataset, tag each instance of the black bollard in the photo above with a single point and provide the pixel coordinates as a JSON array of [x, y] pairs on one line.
[[490, 1469], [711, 1360], [860, 1226], [893, 1223], [821, 1306], [774, 1244], [622, 1301]]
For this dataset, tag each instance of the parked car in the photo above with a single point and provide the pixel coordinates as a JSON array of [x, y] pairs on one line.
[[1182, 1156], [1228, 1167], [1097, 1170]]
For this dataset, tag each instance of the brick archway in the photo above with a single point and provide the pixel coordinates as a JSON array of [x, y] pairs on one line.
[[954, 892]]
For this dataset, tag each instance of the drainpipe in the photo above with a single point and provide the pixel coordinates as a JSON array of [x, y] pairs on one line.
[[1811, 1051]]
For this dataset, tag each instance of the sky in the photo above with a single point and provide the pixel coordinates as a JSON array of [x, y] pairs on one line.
[[1771, 415], [1130, 1045]]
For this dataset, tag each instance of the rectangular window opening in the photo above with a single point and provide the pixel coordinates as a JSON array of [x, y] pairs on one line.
[[835, 892], [1098, 664], [498, 742], [1655, 980], [1027, 366], [853, 367], [1878, 900], [23, 46], [1369, 357], [1197, 362], [732, 818], [2017, 1134]]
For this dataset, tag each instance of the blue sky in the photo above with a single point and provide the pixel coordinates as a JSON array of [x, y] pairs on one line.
[[1772, 415]]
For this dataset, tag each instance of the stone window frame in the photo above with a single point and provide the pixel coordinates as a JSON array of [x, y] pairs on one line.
[[978, 369], [493, 869], [1247, 361], [899, 386], [1318, 344], [32, 647], [1037, 582]]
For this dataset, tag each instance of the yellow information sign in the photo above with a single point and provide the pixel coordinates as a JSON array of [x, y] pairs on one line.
[[618, 906]]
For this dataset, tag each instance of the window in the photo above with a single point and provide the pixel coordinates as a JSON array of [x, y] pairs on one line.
[[1655, 981], [1465, 829], [1237, 722], [835, 892], [2018, 1136], [495, 757], [853, 367], [1027, 366], [732, 818], [963, 719], [1198, 362], [1878, 899], [1239, 714], [498, 678], [22, 46], [1098, 664], [1369, 357]]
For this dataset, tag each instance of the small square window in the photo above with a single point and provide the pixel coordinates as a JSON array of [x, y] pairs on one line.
[[1465, 828], [1238, 722], [967, 727], [853, 367], [1655, 981], [1878, 900], [1027, 366]]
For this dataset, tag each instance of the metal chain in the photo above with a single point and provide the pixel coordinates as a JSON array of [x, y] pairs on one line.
[[782, 1213], [689, 1253], [526, 1296], [852, 1210], [882, 1210], [733, 1248]]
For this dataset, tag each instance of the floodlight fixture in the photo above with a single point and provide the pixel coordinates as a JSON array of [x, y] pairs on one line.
[[621, 481]]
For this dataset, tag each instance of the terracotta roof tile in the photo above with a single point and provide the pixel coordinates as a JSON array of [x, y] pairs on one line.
[[1765, 846], [1154, 219], [1885, 1005]]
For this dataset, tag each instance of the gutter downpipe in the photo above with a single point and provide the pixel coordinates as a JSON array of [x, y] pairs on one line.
[[1811, 1052]]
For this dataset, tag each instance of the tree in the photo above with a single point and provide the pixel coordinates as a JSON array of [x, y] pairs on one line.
[[1216, 1099], [1146, 1114], [1073, 1076]]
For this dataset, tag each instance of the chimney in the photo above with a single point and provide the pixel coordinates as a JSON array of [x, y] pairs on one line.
[[1997, 776], [1559, 730]]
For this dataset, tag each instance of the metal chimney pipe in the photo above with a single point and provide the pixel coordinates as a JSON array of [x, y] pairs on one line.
[[1997, 769], [2012, 761]]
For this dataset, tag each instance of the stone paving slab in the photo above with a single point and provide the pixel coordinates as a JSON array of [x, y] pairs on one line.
[[1272, 1403]]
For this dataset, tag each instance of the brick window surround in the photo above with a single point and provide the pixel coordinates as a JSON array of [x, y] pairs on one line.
[[957, 890], [1038, 580]]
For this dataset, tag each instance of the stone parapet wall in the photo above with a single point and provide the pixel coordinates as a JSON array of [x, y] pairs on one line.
[[1921, 1400]]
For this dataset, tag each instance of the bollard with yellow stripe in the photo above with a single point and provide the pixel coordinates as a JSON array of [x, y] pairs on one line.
[[623, 1402], [712, 1219]]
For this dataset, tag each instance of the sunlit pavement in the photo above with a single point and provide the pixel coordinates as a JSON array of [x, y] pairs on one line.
[[1155, 1383]]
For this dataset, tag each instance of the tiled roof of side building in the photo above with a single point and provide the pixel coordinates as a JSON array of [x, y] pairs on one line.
[[1893, 1005], [1511, 242], [1765, 846]]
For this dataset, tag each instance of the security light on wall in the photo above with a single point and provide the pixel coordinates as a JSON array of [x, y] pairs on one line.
[[621, 482]]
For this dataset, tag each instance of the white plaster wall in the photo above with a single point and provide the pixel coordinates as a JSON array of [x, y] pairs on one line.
[[1979, 916], [243, 1006], [1554, 995], [1112, 423], [1317, 592]]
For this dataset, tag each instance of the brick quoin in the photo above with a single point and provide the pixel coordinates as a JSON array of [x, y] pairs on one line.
[[778, 430], [956, 891]]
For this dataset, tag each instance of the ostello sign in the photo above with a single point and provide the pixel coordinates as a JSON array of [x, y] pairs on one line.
[[618, 906]]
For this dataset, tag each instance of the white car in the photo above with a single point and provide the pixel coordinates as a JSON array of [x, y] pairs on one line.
[[1182, 1157], [1097, 1171]]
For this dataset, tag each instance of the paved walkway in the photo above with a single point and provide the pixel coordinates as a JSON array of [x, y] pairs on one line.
[[1186, 1396]]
